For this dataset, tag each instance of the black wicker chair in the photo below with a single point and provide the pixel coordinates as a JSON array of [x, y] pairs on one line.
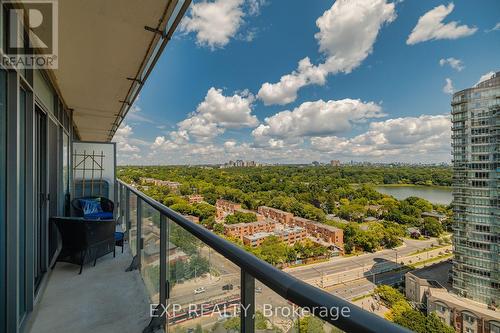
[[84, 240], [107, 206]]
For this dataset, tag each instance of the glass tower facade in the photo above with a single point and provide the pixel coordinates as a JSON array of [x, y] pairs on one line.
[[476, 185]]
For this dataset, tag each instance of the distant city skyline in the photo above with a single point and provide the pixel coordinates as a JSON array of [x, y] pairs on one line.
[[313, 85]]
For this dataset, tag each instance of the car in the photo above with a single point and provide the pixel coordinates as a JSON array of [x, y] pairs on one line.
[[199, 290], [227, 287], [258, 290]]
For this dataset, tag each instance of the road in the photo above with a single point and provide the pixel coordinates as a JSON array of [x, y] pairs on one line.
[[364, 286], [336, 271], [344, 264], [342, 267]]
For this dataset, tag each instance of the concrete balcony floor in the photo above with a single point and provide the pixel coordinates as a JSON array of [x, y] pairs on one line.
[[102, 299]]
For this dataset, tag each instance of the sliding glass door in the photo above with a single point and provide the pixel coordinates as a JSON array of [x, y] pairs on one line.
[[40, 221], [53, 183], [3, 175]]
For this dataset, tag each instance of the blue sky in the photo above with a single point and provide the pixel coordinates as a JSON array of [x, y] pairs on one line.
[[375, 85]]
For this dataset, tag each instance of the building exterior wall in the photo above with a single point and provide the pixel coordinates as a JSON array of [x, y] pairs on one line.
[[415, 288], [290, 236], [276, 214], [476, 175], [463, 318], [224, 208], [26, 96]]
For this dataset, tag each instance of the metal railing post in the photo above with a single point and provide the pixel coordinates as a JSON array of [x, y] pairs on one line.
[[163, 265], [120, 203], [139, 232], [127, 211], [247, 313]]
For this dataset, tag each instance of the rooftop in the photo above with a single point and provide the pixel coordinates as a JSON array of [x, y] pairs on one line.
[[438, 272], [287, 231], [259, 235], [243, 224]]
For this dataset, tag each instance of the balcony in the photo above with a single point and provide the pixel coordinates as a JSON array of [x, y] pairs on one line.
[[180, 266]]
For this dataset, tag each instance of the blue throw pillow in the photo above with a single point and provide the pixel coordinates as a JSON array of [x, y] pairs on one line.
[[118, 235], [90, 206]]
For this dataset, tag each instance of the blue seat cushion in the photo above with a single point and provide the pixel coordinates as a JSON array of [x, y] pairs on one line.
[[99, 216], [118, 235]]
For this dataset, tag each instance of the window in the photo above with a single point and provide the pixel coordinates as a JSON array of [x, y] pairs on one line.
[[441, 308], [468, 318]]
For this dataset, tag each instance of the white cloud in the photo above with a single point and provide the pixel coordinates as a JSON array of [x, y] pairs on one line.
[[495, 28], [214, 22], [430, 26], [228, 111], [314, 119], [254, 6], [199, 128], [122, 139], [347, 32], [425, 138], [485, 77], [214, 115], [456, 64], [285, 91], [448, 87], [410, 139]]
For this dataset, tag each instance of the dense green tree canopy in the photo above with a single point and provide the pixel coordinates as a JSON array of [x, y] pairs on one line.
[[305, 191]]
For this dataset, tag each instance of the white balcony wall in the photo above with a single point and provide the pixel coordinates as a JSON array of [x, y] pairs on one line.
[[94, 161]]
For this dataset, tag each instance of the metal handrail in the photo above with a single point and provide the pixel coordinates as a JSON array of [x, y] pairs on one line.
[[294, 290]]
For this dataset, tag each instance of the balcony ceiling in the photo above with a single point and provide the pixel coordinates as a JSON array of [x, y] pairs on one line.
[[101, 44]]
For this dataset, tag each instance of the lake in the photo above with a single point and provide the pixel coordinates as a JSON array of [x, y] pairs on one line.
[[436, 195]]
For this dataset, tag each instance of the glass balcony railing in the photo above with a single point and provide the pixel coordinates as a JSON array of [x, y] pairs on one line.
[[197, 281]]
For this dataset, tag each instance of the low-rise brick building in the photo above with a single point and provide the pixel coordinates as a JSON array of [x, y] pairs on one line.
[[289, 236], [173, 186], [325, 232], [225, 208], [240, 230], [195, 198]]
